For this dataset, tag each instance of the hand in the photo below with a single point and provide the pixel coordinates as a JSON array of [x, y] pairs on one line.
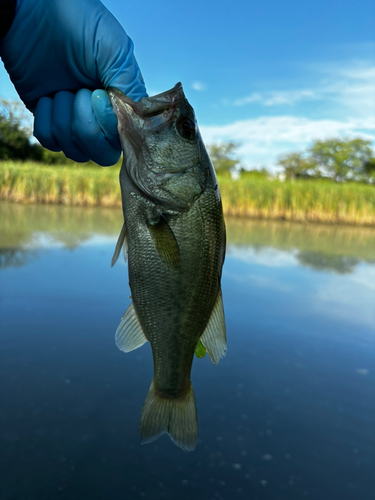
[[58, 52]]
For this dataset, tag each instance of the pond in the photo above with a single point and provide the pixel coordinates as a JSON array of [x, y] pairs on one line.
[[289, 413]]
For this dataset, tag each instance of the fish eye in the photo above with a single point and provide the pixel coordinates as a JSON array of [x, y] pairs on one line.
[[186, 128]]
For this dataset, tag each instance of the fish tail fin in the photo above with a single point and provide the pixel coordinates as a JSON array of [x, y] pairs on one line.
[[177, 417]]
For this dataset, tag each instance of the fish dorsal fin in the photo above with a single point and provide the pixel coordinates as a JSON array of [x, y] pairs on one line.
[[129, 334], [165, 242], [214, 337], [121, 242]]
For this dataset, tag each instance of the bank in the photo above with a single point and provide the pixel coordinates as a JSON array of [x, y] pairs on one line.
[[251, 197]]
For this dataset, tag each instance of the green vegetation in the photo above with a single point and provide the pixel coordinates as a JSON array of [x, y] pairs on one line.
[[249, 196], [222, 157], [84, 185], [15, 134], [313, 201], [334, 159]]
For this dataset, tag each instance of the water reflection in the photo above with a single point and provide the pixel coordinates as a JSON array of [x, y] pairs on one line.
[[288, 414], [333, 248], [15, 257], [341, 264]]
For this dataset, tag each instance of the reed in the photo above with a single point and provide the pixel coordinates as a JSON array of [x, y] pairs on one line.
[[83, 185], [304, 201]]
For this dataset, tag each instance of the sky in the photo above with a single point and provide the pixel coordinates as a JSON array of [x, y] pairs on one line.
[[271, 75]]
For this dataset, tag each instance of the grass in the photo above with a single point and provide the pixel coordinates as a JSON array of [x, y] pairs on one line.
[[304, 201], [84, 185]]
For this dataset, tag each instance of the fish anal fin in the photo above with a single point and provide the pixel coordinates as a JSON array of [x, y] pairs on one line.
[[214, 337], [165, 242], [129, 334], [121, 242], [175, 416]]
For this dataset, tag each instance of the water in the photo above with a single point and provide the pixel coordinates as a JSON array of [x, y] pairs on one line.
[[289, 413]]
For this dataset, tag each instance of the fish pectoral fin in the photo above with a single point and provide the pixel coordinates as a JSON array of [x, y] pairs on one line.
[[214, 337], [129, 334], [121, 242], [165, 242]]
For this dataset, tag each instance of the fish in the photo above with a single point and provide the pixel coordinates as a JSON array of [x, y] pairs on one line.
[[174, 239]]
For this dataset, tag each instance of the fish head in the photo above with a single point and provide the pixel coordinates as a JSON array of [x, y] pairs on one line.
[[164, 156]]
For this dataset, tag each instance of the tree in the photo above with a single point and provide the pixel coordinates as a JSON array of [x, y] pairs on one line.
[[297, 165], [342, 159], [15, 134], [260, 173], [336, 159], [15, 131], [369, 168], [222, 157]]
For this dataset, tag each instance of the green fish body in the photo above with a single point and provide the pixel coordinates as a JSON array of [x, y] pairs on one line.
[[174, 234]]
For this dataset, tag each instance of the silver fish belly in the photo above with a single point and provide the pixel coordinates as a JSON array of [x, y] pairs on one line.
[[174, 234]]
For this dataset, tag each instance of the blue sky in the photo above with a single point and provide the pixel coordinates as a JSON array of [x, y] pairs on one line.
[[272, 75]]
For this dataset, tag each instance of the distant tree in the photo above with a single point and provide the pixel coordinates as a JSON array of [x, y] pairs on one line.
[[15, 131], [15, 134], [52, 158], [369, 168], [222, 157], [298, 165], [343, 159], [255, 172], [336, 159]]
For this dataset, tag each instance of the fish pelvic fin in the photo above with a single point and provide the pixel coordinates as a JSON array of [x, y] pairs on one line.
[[121, 242], [129, 334], [174, 416], [214, 337]]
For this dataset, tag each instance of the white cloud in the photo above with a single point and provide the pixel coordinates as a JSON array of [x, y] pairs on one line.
[[345, 106], [268, 257], [263, 139], [352, 86], [277, 98], [51, 240], [199, 86], [351, 301]]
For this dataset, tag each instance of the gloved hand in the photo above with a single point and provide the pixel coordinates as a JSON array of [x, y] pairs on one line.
[[56, 53]]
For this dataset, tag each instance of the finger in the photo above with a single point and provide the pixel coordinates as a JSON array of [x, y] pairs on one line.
[[106, 116], [62, 115], [43, 124], [116, 63], [88, 133], [126, 76]]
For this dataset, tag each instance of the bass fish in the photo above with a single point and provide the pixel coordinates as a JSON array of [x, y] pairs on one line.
[[174, 237]]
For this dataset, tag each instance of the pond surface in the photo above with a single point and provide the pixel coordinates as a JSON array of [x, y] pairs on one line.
[[289, 413]]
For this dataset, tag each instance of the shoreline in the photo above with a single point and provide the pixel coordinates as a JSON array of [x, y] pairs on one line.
[[299, 218], [303, 201]]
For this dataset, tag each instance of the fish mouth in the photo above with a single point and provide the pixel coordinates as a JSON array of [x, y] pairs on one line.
[[148, 107]]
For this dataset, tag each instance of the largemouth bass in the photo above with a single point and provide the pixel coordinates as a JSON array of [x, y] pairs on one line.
[[174, 235]]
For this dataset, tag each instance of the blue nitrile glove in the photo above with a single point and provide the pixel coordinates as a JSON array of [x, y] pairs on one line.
[[56, 53]]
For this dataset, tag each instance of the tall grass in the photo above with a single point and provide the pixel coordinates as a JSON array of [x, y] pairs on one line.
[[313, 201], [35, 183]]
